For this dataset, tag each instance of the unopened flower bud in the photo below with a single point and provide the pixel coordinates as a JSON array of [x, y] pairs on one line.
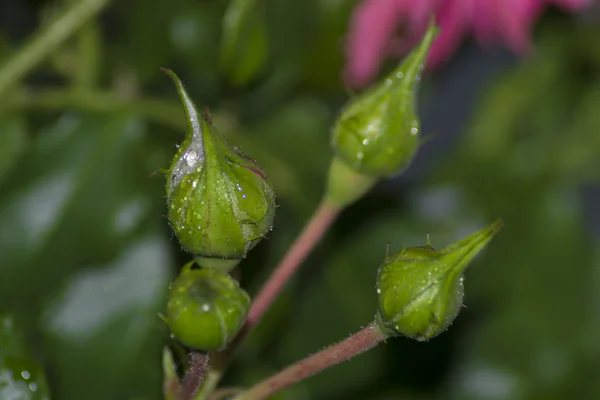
[[220, 203], [206, 308], [377, 133], [420, 289]]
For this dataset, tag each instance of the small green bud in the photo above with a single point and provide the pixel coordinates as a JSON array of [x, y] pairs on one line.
[[420, 289], [206, 308], [220, 203], [377, 132]]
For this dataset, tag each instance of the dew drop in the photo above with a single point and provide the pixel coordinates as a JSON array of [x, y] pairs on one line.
[[366, 141], [206, 307], [32, 387], [388, 82], [194, 184], [25, 374], [378, 291], [400, 75], [414, 131], [359, 155], [191, 158], [243, 196]]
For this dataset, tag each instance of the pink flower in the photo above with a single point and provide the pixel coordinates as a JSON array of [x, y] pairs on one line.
[[375, 27]]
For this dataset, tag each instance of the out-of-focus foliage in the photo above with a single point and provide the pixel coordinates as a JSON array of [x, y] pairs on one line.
[[21, 377], [86, 255]]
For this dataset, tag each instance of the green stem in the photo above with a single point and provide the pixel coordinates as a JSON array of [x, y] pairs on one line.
[[47, 41], [88, 57], [364, 340], [164, 112]]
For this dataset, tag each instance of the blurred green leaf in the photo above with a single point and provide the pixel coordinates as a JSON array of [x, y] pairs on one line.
[[21, 377], [81, 193], [299, 129], [107, 319], [244, 47], [325, 59]]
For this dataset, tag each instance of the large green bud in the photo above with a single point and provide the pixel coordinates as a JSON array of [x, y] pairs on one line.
[[377, 133], [206, 308], [220, 203], [420, 289]]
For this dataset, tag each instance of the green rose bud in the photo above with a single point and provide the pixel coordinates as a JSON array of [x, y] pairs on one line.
[[420, 289], [377, 132], [220, 204], [206, 308]]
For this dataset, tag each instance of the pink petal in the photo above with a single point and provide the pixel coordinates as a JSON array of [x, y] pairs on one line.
[[372, 25], [515, 19], [485, 26], [418, 17], [454, 17]]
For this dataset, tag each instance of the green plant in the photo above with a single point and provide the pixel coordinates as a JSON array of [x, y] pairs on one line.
[[87, 253], [420, 289]]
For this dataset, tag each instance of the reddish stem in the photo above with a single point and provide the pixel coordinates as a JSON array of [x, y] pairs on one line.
[[364, 340], [193, 379], [321, 220]]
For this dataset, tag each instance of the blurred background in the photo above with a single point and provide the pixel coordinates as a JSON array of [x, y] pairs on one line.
[[86, 254]]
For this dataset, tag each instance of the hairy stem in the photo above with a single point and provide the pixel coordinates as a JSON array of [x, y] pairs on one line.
[[47, 41], [195, 376], [218, 363], [319, 223], [364, 340]]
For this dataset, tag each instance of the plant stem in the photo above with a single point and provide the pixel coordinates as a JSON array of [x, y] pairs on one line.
[[88, 56], [364, 340], [47, 41], [218, 363], [195, 376], [325, 214], [166, 112]]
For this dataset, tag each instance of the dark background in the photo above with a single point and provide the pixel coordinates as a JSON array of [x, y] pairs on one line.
[[86, 255]]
